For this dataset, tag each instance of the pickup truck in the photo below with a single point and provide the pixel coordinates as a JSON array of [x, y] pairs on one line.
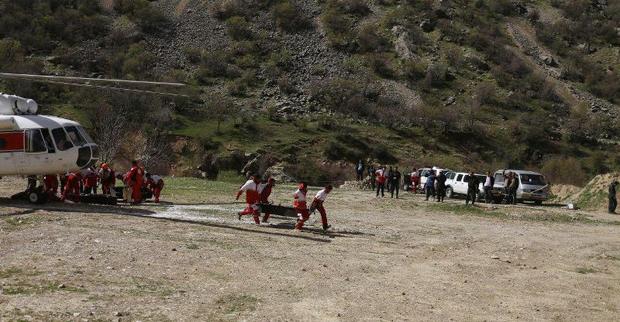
[[457, 184]]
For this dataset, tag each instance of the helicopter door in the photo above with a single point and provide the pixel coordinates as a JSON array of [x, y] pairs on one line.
[[36, 156]]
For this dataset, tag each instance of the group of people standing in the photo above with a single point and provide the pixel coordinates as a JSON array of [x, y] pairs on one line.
[[257, 191], [381, 178], [73, 185]]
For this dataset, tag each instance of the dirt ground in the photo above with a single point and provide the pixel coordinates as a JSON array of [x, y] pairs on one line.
[[385, 259]]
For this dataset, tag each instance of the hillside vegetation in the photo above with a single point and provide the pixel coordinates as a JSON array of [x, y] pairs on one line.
[[313, 86]]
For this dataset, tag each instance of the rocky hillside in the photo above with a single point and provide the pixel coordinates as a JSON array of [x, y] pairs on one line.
[[311, 86]]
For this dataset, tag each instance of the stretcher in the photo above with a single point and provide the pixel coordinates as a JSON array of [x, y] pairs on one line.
[[278, 210]]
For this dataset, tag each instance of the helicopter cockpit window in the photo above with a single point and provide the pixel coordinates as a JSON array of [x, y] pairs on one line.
[[62, 141], [85, 135], [75, 136], [35, 142], [48, 140]]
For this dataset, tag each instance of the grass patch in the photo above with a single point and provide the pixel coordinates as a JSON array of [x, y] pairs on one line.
[[468, 210], [592, 199], [144, 286], [586, 270], [545, 217], [24, 288], [16, 223], [237, 303]]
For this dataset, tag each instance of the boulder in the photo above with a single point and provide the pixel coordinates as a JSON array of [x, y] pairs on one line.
[[549, 60], [277, 172], [427, 25], [209, 167]]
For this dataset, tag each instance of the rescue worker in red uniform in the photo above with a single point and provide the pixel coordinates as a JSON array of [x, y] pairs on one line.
[[71, 191], [264, 191], [251, 198], [317, 204], [136, 180], [156, 184], [415, 180], [107, 178], [50, 184], [300, 205]]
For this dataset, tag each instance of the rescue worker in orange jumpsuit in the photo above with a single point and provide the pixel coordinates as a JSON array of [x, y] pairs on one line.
[[72, 187], [50, 184], [300, 205], [317, 204], [156, 184], [136, 180], [251, 198], [264, 190], [107, 178]]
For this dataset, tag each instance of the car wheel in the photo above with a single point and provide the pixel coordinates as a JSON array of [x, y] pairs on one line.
[[449, 192]]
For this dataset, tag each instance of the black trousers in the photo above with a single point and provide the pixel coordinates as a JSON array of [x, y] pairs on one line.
[[430, 191], [613, 203], [471, 196], [487, 194], [380, 187], [394, 187], [441, 193]]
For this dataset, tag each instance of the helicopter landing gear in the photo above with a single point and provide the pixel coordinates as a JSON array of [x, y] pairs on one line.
[[33, 193]]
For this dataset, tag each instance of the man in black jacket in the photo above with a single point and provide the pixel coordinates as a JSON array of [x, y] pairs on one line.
[[395, 182], [613, 201], [440, 182], [472, 188]]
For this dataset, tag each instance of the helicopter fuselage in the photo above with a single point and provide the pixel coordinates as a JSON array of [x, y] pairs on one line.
[[40, 144]]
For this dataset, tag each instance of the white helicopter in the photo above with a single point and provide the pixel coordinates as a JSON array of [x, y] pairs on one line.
[[36, 145]]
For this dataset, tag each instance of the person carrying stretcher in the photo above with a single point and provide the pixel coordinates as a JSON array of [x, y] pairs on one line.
[[300, 205], [264, 191], [317, 204], [251, 198]]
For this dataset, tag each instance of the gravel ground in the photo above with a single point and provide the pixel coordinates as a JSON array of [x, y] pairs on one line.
[[385, 259]]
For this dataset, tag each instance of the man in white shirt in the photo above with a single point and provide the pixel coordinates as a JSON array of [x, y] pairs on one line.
[[317, 204], [251, 198]]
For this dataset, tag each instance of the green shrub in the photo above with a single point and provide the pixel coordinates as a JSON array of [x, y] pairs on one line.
[[353, 7], [288, 16], [369, 40], [564, 170], [194, 55], [339, 29], [381, 65], [215, 64], [238, 28], [414, 70], [149, 18], [11, 53], [224, 9]]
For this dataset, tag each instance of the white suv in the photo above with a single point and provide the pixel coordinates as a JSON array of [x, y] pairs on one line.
[[456, 184]]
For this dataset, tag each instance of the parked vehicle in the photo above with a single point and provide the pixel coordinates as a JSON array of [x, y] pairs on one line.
[[456, 185], [532, 186], [425, 172]]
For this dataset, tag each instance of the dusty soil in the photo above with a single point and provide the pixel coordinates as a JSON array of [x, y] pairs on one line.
[[386, 259]]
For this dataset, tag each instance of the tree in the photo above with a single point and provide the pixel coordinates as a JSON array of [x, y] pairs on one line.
[[220, 108], [109, 129]]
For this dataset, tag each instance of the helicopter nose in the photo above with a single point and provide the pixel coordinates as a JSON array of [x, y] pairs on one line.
[[87, 155]]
